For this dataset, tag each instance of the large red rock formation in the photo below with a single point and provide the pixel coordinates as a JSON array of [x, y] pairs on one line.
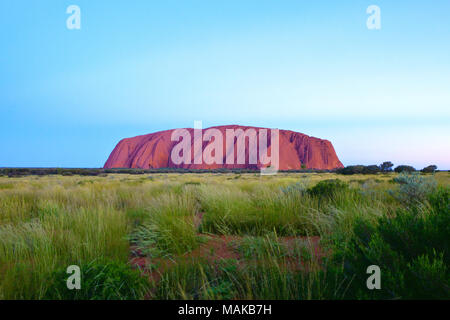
[[154, 151]]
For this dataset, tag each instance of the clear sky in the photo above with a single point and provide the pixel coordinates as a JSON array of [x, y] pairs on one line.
[[135, 67]]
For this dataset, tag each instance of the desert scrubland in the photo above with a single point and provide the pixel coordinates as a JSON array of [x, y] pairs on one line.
[[225, 236]]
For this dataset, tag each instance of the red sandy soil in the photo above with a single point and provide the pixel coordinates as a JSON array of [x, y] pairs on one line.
[[217, 248], [154, 151]]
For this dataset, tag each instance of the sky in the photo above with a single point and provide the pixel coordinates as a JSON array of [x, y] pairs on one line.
[[67, 96]]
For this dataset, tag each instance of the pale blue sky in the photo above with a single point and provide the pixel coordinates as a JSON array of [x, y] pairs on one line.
[[135, 67]]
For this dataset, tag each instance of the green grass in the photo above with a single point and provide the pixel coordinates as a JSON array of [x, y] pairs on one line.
[[262, 247], [197, 279], [110, 280], [50, 222], [231, 211], [168, 228]]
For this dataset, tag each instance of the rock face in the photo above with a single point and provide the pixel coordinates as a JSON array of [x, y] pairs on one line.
[[154, 151]]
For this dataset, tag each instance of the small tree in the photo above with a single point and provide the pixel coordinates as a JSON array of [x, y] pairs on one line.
[[414, 187], [386, 166], [430, 169], [404, 168]]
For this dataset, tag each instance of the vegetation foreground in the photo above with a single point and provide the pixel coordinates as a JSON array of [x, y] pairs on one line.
[[225, 236]]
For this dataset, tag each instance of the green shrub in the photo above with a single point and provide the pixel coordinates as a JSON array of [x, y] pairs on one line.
[[328, 188], [440, 199], [413, 187], [428, 277], [411, 249]]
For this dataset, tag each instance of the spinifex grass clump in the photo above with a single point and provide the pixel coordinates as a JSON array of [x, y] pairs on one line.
[[169, 226], [31, 250], [197, 279], [231, 211], [262, 247], [288, 211], [292, 253], [17, 206]]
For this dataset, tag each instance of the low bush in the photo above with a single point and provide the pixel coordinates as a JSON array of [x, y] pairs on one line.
[[299, 188], [411, 249], [328, 188], [413, 188], [358, 169]]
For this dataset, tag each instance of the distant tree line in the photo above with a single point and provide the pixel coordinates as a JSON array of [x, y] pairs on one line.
[[356, 169], [385, 167], [20, 172]]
